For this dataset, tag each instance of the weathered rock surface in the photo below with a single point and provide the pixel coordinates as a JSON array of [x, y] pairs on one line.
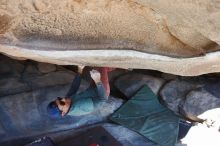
[[123, 135], [46, 68], [190, 95], [125, 34], [199, 101], [174, 92], [24, 88], [25, 93], [130, 83]]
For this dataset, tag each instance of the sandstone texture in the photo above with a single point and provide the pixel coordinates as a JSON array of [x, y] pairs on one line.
[[179, 37]]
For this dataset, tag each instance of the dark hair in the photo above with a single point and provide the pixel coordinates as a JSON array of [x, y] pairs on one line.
[[60, 100]]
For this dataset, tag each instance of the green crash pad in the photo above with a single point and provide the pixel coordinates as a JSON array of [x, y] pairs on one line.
[[144, 114]]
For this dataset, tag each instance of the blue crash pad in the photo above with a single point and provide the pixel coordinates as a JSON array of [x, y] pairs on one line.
[[144, 114]]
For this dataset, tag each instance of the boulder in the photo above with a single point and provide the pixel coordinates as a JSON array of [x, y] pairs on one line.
[[199, 101], [178, 37], [130, 83], [30, 70], [168, 76], [174, 92], [10, 86], [46, 68], [25, 93], [188, 97], [10, 67]]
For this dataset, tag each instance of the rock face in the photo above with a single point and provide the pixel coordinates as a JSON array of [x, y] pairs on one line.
[[26, 88], [123, 135], [46, 68], [175, 91], [25, 92], [191, 96], [130, 83], [127, 34], [199, 101]]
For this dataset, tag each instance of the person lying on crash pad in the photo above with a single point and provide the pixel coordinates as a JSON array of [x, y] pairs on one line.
[[85, 102]]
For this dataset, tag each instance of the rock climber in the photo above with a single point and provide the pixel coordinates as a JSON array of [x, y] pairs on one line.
[[85, 102]]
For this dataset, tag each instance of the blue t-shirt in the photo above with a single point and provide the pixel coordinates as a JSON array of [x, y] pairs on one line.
[[87, 101]]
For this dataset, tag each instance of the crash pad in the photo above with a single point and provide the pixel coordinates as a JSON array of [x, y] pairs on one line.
[[144, 114]]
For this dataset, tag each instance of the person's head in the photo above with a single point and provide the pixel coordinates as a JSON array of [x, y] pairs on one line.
[[59, 107]]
